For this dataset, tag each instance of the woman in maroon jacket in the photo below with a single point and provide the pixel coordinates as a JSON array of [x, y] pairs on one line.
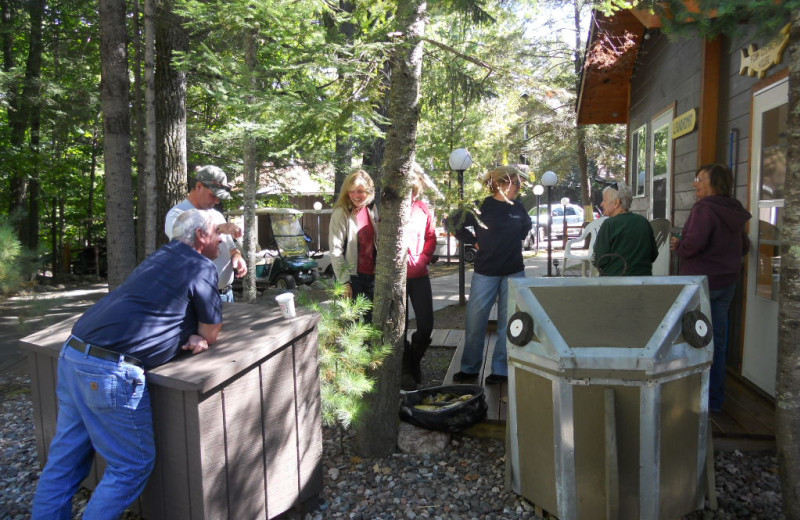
[[712, 243], [421, 240]]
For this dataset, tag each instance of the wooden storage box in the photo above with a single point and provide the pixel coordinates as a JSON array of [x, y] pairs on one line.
[[238, 428]]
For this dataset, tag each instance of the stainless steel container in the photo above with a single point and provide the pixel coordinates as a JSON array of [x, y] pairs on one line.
[[608, 385]]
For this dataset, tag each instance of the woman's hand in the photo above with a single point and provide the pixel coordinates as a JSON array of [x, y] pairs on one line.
[[673, 243], [348, 290]]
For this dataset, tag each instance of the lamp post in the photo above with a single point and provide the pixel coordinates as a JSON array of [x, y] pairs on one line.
[[460, 160], [538, 190], [317, 207], [549, 179], [564, 202]]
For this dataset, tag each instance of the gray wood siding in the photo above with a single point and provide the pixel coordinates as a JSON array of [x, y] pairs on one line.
[[669, 73], [736, 105]]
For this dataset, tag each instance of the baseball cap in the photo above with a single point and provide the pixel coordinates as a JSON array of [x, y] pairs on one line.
[[214, 179]]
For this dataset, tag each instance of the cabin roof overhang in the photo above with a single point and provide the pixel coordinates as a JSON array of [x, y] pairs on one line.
[[610, 58]]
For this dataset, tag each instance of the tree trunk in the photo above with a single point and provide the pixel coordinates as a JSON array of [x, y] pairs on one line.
[[171, 170], [374, 155], [144, 123], [787, 399], [114, 93], [22, 111], [343, 155], [152, 222], [376, 435], [139, 132], [580, 151], [250, 176]]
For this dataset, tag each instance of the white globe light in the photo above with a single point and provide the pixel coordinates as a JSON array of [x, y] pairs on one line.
[[538, 190], [549, 179], [564, 200], [460, 159], [318, 205]]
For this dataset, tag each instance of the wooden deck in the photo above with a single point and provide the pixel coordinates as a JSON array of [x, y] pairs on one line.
[[746, 422]]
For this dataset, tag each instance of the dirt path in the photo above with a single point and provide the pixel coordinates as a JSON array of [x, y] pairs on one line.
[[25, 314]]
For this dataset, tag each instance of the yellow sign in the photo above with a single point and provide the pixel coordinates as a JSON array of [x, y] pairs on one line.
[[759, 61], [684, 123]]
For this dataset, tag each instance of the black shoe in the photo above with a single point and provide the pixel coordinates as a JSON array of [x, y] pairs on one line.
[[495, 379], [463, 377], [407, 382]]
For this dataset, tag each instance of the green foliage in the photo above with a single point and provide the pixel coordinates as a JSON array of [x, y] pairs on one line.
[[712, 17], [10, 258], [348, 348], [300, 88]]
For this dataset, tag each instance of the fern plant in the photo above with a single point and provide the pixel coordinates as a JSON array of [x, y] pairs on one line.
[[348, 348]]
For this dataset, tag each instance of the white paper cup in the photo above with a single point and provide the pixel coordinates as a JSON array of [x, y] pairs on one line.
[[286, 301]]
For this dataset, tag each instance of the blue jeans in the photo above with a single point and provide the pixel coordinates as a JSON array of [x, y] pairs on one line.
[[228, 296], [103, 406], [483, 292], [720, 305]]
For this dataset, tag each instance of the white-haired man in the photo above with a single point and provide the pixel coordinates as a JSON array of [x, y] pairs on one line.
[[168, 304]]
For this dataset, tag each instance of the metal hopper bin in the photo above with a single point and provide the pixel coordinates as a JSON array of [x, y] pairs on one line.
[[608, 386]]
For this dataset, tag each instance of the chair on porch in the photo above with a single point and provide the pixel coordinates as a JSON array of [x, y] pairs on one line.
[[661, 230], [585, 257]]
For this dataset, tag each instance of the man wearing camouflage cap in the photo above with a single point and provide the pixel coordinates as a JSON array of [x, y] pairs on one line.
[[211, 186]]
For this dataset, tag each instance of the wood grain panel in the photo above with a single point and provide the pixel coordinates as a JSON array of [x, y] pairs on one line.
[[280, 431], [309, 416], [243, 451]]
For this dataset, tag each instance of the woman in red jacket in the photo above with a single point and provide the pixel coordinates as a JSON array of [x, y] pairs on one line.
[[421, 242]]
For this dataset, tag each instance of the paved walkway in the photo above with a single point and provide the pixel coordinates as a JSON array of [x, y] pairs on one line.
[[445, 288], [23, 315]]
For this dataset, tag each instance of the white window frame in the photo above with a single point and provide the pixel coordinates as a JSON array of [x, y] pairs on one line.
[[638, 162], [662, 121]]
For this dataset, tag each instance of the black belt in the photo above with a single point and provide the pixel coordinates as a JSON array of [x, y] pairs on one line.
[[102, 353], [225, 289]]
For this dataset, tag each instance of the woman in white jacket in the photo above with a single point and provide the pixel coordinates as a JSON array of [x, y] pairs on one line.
[[353, 236]]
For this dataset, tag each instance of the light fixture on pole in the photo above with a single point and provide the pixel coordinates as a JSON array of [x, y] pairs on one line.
[[549, 179], [317, 207], [460, 160], [538, 190]]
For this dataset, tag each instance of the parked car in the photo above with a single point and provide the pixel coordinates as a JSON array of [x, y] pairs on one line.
[[442, 238], [541, 221]]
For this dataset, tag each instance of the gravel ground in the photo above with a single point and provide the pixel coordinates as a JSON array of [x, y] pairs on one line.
[[466, 481]]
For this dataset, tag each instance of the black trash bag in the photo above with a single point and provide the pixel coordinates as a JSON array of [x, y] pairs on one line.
[[467, 407]]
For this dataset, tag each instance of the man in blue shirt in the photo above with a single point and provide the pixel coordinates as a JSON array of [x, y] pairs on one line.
[[168, 304]]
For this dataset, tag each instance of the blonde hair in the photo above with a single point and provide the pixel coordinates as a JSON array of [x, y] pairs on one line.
[[355, 179], [416, 179], [493, 177]]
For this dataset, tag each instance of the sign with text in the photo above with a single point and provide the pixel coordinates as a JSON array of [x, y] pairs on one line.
[[684, 123], [756, 61]]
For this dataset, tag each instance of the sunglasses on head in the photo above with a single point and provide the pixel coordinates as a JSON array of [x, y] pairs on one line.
[[614, 186], [216, 186]]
